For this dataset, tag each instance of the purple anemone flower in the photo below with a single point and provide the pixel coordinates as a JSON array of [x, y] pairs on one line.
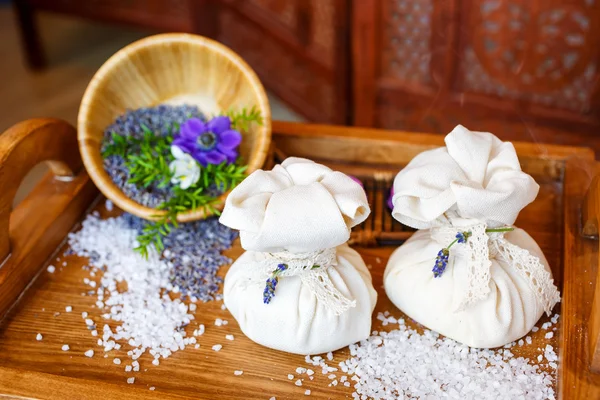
[[209, 142]]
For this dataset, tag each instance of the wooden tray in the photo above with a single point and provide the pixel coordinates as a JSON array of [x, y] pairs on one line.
[[32, 236]]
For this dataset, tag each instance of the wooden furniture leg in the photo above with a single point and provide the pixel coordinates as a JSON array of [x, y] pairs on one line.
[[34, 52]]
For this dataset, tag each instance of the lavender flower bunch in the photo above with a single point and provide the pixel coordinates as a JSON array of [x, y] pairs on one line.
[[184, 164]]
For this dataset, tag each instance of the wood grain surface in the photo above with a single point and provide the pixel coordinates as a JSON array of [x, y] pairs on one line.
[[40, 369]]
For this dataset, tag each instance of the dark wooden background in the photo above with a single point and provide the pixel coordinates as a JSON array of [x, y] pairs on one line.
[[523, 69]]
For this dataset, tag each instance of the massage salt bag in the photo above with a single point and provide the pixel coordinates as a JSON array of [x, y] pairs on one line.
[[299, 214], [495, 286]]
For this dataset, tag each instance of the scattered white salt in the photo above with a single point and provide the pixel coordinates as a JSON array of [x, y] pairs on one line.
[[196, 346], [51, 269], [521, 342], [94, 333], [238, 373], [65, 347], [549, 335], [89, 353], [68, 308], [108, 205], [156, 361], [310, 372], [84, 315], [300, 370], [117, 361], [192, 307], [307, 392], [217, 347], [89, 322], [229, 337], [152, 388], [528, 339], [39, 337], [290, 377], [146, 318], [404, 363], [128, 368], [298, 383], [218, 322], [330, 356], [130, 380], [223, 307], [535, 329], [273, 398]]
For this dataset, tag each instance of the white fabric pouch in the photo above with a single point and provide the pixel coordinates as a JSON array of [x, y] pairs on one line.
[[298, 287], [468, 273]]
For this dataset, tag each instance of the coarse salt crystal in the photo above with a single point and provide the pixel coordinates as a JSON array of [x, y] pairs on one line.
[[300, 370], [89, 322], [273, 398], [84, 315], [68, 308], [94, 333], [298, 383], [535, 329], [130, 380], [152, 388], [405, 363], [218, 322], [108, 205], [65, 347], [197, 346], [156, 361], [330, 356], [192, 307], [229, 337], [223, 307], [39, 337], [549, 335], [51, 269], [117, 361], [238, 373], [310, 372], [217, 347], [128, 368], [89, 353], [290, 377], [521, 342], [307, 392]]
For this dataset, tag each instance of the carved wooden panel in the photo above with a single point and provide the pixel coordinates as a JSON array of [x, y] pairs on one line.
[[284, 72], [284, 11], [524, 68], [540, 52], [323, 26], [406, 40]]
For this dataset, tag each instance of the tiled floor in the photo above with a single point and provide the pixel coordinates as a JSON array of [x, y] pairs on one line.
[[76, 49]]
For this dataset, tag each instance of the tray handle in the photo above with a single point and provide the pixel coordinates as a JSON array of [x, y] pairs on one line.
[[590, 223], [25, 145]]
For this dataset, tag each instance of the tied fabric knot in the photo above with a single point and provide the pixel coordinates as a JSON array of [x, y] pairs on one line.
[[316, 279], [480, 248]]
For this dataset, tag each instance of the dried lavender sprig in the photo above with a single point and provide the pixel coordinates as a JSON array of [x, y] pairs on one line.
[[441, 260]]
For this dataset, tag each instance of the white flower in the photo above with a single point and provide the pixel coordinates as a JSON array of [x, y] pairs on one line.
[[186, 170]]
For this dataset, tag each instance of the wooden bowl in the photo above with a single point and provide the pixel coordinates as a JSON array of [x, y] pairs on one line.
[[169, 69]]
